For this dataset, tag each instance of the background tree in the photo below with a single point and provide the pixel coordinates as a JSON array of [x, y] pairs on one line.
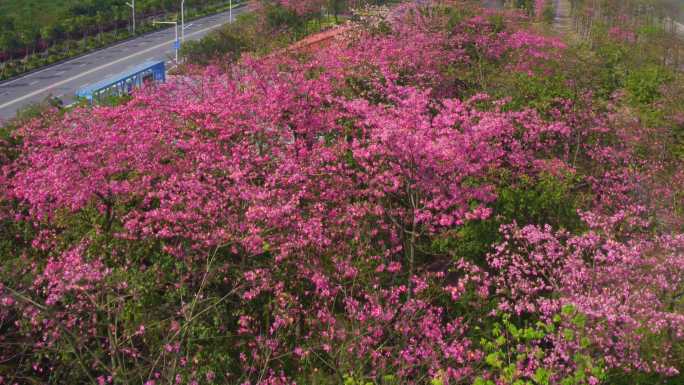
[[9, 42], [100, 20]]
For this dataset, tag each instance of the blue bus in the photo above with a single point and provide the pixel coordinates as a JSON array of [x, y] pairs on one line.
[[124, 83]]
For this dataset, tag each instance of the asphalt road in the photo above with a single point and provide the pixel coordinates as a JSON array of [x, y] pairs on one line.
[[63, 80]]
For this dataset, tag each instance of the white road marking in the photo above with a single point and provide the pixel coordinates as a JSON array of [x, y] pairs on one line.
[[90, 71], [33, 82]]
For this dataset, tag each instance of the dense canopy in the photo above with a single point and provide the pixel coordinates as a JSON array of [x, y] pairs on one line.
[[401, 206]]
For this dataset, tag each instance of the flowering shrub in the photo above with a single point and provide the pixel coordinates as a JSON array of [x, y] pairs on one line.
[[628, 290], [331, 217]]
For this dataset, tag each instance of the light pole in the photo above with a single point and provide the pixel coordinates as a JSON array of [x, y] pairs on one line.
[[176, 44], [132, 5], [183, 21], [230, 11]]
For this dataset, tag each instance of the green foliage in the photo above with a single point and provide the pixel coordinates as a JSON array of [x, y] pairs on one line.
[[114, 100], [253, 32], [525, 5], [548, 13], [387, 379], [611, 67], [228, 41], [544, 199], [350, 380], [643, 84], [537, 91], [510, 345], [618, 377], [277, 16]]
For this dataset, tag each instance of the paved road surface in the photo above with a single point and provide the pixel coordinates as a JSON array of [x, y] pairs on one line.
[[64, 79]]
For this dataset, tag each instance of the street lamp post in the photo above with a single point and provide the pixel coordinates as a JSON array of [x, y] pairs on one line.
[[183, 21], [132, 5], [230, 11], [176, 43]]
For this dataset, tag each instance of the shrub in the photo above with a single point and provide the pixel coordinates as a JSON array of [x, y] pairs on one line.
[[644, 84]]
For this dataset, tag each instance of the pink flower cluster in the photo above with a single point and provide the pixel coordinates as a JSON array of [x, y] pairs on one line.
[[626, 289]]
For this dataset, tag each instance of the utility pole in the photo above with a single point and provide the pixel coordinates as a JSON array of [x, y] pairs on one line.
[[176, 44], [230, 11], [132, 5], [182, 21]]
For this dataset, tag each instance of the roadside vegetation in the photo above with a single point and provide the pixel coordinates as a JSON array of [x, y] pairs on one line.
[[269, 28], [439, 195]]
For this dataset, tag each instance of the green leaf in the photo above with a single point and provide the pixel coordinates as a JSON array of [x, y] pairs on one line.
[[541, 376], [579, 320], [568, 334], [494, 360], [513, 330], [568, 310], [500, 341], [482, 381], [509, 372], [584, 342], [496, 330]]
